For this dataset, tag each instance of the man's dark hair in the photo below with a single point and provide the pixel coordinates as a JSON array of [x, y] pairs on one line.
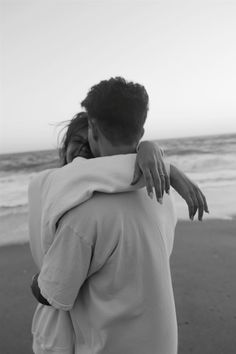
[[120, 109]]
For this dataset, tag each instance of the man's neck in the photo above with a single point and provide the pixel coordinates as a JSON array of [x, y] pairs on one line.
[[107, 148], [117, 150]]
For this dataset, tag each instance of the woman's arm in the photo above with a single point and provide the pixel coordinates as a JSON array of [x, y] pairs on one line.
[[189, 191], [150, 164]]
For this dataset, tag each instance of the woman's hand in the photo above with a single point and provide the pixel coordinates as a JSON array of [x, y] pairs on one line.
[[189, 191], [149, 163]]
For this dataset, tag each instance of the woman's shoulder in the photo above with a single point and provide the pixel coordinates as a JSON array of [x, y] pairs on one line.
[[39, 178]]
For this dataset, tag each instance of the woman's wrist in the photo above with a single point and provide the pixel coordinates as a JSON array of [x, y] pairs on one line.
[[36, 291]]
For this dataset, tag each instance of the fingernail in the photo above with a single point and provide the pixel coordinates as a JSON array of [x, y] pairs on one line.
[[151, 195]]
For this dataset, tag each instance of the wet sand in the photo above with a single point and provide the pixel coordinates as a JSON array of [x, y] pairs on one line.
[[203, 268]]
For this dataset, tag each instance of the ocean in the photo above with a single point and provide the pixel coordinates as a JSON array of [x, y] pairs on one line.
[[210, 161], [16, 171]]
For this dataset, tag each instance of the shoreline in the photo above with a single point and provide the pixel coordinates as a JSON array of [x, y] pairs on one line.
[[17, 239], [14, 228], [203, 267]]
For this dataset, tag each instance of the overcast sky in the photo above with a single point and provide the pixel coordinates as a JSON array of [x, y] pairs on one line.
[[184, 52]]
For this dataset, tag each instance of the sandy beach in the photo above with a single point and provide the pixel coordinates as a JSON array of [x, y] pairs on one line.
[[203, 268]]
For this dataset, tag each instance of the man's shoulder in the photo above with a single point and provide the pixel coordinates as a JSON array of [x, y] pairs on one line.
[[111, 205], [102, 209], [100, 218], [98, 205], [106, 216], [103, 203]]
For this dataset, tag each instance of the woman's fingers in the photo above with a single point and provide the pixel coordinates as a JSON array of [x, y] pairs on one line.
[[167, 178], [159, 183], [195, 202], [204, 202], [157, 176], [137, 174], [190, 207], [151, 165], [148, 182], [200, 205], [199, 202], [152, 177]]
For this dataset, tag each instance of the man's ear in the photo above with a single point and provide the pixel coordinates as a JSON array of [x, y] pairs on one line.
[[94, 129], [142, 133], [140, 137]]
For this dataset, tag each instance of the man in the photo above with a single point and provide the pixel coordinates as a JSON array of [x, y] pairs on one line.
[[109, 262]]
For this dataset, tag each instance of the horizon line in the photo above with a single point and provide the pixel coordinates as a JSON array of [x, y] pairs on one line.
[[172, 138]]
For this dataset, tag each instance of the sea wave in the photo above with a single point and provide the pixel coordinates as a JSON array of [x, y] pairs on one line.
[[16, 209], [209, 161], [204, 163], [29, 161], [214, 145], [13, 189]]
